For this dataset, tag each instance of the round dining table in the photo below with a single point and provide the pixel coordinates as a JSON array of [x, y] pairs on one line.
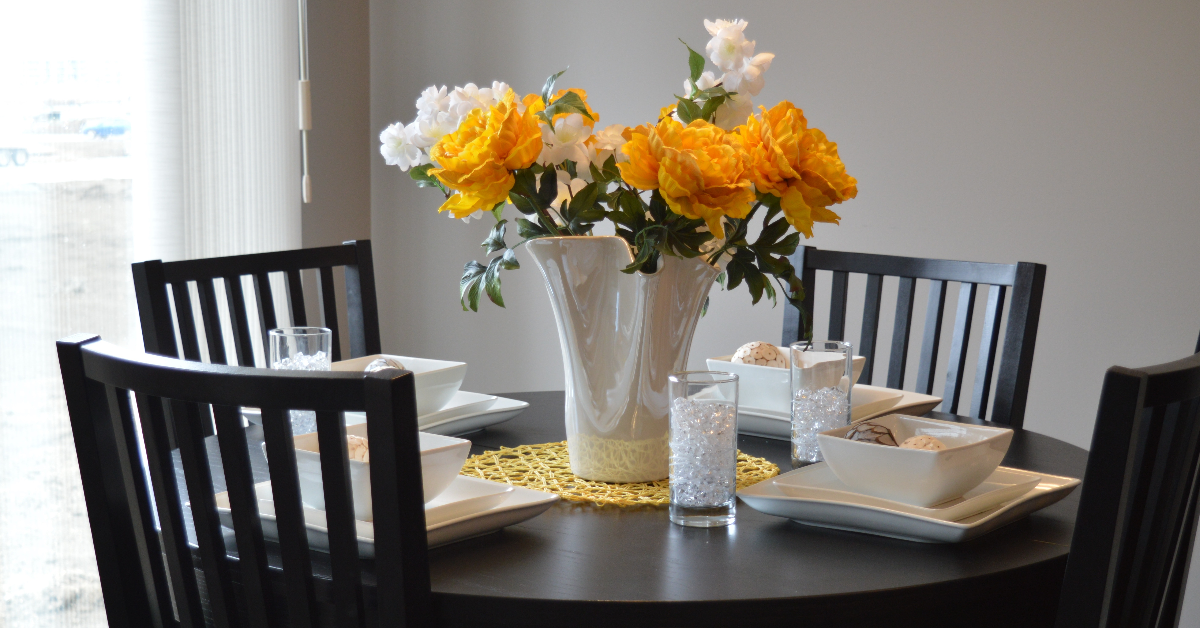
[[588, 565], [583, 565]]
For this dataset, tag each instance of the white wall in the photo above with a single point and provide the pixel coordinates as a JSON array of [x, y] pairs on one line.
[[1064, 133]]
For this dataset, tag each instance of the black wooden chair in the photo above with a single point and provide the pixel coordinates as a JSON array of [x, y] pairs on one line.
[[1024, 278], [154, 279], [105, 383], [1135, 530]]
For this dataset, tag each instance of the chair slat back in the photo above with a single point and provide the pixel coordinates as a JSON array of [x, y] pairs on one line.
[[1135, 529], [160, 315], [1024, 280], [228, 579]]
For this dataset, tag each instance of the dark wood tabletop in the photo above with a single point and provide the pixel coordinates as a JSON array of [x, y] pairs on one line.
[[584, 565]]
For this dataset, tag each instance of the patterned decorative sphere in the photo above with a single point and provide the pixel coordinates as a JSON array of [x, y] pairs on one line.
[[761, 354]]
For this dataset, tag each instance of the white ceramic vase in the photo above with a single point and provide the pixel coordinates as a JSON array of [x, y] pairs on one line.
[[621, 335]]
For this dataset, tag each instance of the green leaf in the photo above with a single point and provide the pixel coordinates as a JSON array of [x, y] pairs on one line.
[[772, 232], [524, 204], [491, 281], [498, 209], [585, 198], [658, 207], [495, 239], [736, 272], [688, 111], [470, 284], [784, 247], [715, 91], [645, 251], [524, 182], [548, 88], [710, 108], [704, 308], [548, 187], [610, 167], [756, 282], [569, 102], [421, 175], [695, 62], [508, 261], [530, 230], [770, 290]]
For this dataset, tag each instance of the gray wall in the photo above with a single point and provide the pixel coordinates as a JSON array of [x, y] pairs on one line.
[[341, 144]]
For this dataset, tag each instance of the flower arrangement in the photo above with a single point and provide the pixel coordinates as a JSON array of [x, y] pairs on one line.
[[689, 184]]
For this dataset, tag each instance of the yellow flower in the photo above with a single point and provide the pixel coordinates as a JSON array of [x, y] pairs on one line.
[[668, 111], [700, 170], [477, 160], [797, 164]]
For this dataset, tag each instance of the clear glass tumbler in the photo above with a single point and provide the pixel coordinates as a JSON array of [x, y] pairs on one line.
[[703, 440], [822, 378], [301, 349]]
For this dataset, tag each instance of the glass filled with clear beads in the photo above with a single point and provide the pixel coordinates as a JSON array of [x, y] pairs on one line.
[[822, 378], [703, 443], [301, 349]]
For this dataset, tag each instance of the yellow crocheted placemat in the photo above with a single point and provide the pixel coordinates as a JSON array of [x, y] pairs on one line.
[[546, 467]]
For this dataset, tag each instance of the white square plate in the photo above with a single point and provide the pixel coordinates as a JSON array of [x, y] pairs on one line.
[[815, 497], [517, 504], [466, 412]]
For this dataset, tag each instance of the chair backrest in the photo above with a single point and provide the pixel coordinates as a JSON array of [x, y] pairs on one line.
[[105, 384], [1135, 528], [154, 279], [1016, 361]]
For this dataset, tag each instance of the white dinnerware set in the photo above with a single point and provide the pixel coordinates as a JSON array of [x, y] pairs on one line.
[[951, 493], [948, 495], [456, 506]]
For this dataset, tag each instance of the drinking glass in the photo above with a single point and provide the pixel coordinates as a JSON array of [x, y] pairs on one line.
[[703, 441], [822, 378], [301, 349]]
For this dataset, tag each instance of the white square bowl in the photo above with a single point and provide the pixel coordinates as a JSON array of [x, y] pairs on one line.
[[437, 381], [916, 476], [442, 457], [767, 387]]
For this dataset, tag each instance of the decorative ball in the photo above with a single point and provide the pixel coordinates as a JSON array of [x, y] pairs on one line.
[[378, 364], [762, 354], [357, 448], [923, 442]]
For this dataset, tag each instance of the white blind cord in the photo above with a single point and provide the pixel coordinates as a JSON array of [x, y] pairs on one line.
[[305, 105]]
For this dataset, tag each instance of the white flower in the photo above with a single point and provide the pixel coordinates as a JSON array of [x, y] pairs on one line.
[[733, 112], [565, 141], [398, 149], [729, 45], [469, 97], [567, 188], [433, 99], [706, 80], [607, 143], [748, 77], [433, 125], [499, 89]]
